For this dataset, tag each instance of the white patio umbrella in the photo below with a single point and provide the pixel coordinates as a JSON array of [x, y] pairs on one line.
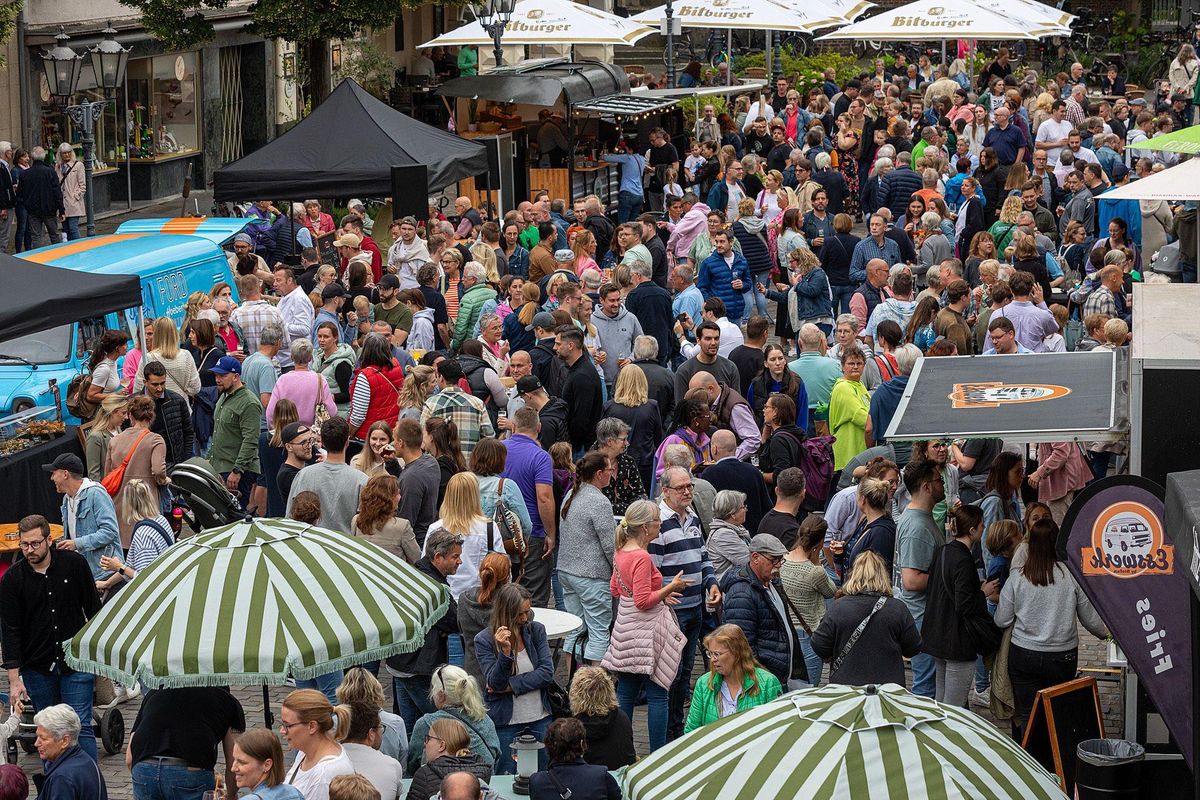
[[757, 15], [1178, 183], [1037, 15], [935, 20], [545, 22]]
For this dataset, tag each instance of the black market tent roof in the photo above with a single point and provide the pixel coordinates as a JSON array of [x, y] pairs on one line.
[[38, 297], [347, 146], [541, 82], [1182, 522], [1041, 397], [625, 104]]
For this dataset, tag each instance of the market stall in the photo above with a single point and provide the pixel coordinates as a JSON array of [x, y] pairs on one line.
[[588, 102], [28, 440]]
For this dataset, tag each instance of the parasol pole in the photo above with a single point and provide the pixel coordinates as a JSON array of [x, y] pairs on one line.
[[729, 56]]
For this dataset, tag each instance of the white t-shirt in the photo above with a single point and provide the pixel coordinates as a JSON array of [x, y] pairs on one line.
[[106, 376], [1086, 154], [731, 336], [1051, 131], [475, 547], [314, 783], [384, 772]]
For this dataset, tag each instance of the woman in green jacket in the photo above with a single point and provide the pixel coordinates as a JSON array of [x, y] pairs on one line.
[[849, 410], [735, 680]]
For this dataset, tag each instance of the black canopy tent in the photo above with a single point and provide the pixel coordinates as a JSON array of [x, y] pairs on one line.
[[348, 145], [1041, 397], [541, 82], [38, 297]]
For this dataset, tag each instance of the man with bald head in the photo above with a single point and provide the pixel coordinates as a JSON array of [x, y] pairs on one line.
[[731, 412], [461, 786], [519, 365], [469, 218], [730, 472]]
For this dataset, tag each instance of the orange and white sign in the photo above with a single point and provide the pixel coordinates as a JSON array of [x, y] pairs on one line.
[[993, 394], [1127, 541]]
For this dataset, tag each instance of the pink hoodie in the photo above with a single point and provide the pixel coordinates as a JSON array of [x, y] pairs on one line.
[[686, 231]]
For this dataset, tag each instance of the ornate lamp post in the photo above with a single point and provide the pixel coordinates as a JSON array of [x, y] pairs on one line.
[[63, 67], [494, 16]]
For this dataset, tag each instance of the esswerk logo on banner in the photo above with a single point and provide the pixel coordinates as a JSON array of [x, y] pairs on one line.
[[1127, 541], [993, 394]]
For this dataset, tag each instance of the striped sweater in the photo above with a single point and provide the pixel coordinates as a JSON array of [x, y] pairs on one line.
[[680, 548]]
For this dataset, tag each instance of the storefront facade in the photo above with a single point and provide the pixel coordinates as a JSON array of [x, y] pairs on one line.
[[179, 113]]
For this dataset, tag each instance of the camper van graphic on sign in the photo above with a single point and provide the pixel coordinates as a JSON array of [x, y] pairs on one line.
[[993, 394], [1127, 541]]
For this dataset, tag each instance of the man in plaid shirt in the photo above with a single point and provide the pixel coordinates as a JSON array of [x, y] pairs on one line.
[[254, 313], [466, 411]]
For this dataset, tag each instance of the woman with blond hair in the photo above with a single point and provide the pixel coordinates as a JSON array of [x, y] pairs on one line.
[[483, 253], [462, 514], [315, 728], [632, 405], [1005, 226], [584, 248], [734, 682], [419, 383], [515, 324], [372, 460], [609, 732], [113, 412], [196, 302], [447, 749], [877, 654], [150, 537], [182, 376], [377, 521], [457, 696], [360, 688]]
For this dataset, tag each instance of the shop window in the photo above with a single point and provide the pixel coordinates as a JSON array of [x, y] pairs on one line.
[[90, 330], [58, 128], [163, 106]]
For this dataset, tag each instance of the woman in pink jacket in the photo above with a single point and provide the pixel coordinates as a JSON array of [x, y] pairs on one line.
[[1062, 471]]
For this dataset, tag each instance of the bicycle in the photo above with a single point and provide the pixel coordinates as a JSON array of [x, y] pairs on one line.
[[863, 48], [683, 50], [798, 44]]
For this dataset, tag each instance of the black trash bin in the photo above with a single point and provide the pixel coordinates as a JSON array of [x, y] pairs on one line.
[[1107, 769]]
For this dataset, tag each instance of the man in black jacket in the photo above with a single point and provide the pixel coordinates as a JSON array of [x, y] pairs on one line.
[[659, 380], [657, 247], [172, 419], [552, 411], [413, 671], [651, 304], [39, 190], [600, 225], [582, 391], [545, 365], [731, 473]]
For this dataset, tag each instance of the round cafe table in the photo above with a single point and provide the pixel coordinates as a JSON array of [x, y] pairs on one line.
[[559, 625]]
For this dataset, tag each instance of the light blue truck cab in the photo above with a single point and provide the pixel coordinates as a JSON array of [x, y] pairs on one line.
[[171, 257]]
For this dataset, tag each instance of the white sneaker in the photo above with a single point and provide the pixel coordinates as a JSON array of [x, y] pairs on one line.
[[119, 696], [983, 698], [132, 693]]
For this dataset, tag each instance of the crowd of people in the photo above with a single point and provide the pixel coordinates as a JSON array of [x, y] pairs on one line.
[[553, 410]]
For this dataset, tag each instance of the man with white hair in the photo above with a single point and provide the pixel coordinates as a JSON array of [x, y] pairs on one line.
[[660, 382], [1076, 102], [831, 181], [8, 195], [70, 771], [475, 292], [43, 199], [886, 398]]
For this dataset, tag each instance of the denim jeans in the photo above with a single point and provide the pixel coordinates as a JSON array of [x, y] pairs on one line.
[[50, 688], [590, 600], [629, 205], [410, 699], [759, 304], [690, 620], [924, 676], [841, 299], [22, 240], [71, 228], [1032, 670], [454, 649], [1099, 462], [812, 661], [153, 780], [326, 684], [505, 765], [657, 702]]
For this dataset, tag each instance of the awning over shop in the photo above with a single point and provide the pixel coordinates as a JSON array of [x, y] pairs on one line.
[[347, 146], [542, 82], [38, 297], [706, 91], [625, 104], [1042, 397]]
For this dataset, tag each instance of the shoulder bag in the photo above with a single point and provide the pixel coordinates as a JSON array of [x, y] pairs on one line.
[[837, 662], [320, 412], [113, 480], [668, 638], [563, 792], [504, 518]]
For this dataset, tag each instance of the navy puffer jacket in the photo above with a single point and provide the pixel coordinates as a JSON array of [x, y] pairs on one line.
[[747, 605]]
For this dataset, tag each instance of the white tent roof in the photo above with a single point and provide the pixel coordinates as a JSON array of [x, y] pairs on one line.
[[1181, 182], [757, 14], [550, 22], [1038, 16], [927, 20]]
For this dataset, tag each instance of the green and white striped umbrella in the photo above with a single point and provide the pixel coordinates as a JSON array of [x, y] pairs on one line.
[[856, 743], [255, 602]]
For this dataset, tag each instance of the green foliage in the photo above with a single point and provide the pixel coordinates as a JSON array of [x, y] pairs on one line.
[[806, 72], [363, 61], [719, 104], [8, 24]]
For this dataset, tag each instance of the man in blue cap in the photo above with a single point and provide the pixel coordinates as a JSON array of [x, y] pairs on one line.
[[234, 449]]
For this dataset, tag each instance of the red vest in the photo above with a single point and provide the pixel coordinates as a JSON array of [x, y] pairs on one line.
[[385, 396]]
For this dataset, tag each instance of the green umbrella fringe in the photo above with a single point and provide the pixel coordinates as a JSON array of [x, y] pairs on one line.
[[253, 678]]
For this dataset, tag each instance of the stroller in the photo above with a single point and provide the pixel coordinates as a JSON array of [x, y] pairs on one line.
[[201, 493]]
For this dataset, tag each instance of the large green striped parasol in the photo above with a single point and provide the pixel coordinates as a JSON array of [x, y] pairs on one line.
[[254, 603], [857, 743]]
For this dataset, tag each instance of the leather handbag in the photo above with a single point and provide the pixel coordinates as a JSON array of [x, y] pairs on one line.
[[113, 480]]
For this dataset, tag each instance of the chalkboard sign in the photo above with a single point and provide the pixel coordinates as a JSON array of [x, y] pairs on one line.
[[325, 249], [1062, 717]]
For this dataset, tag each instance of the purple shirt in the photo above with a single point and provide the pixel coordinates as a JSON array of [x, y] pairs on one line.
[[1031, 323], [529, 465]]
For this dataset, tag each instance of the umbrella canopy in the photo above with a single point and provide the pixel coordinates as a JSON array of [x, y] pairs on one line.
[[550, 22], [1184, 140], [934, 19], [1180, 182], [255, 602], [756, 15], [1036, 15], [842, 742]]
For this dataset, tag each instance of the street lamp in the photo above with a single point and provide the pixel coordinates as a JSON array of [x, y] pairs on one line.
[[494, 16], [63, 67]]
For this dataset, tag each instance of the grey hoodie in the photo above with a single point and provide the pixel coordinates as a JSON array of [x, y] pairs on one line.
[[472, 618], [616, 338]]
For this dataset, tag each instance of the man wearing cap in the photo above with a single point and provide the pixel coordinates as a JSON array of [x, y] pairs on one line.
[[541, 256], [243, 246], [236, 422], [408, 254], [349, 248], [754, 601], [296, 309], [389, 309], [89, 517], [332, 297], [552, 411], [45, 598], [548, 369], [354, 224]]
